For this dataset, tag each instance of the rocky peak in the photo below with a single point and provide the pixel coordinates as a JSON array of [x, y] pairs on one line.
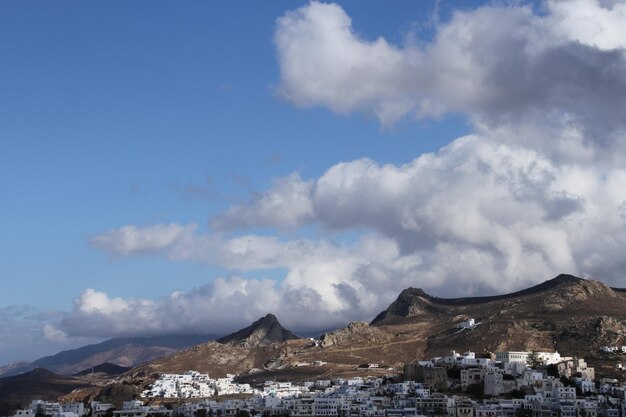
[[263, 332], [410, 303], [564, 279]]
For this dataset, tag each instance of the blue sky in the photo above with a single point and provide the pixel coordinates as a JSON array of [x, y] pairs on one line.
[[110, 112], [159, 115]]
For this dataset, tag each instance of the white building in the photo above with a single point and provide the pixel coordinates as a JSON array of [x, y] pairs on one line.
[[550, 358], [466, 324], [510, 356], [77, 408]]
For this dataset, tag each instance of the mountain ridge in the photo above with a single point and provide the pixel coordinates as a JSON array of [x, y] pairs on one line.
[[402, 304]]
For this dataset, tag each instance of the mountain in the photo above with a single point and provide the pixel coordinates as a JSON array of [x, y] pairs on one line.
[[17, 391], [106, 368], [253, 347], [263, 332], [127, 352], [413, 302], [569, 314], [8, 369]]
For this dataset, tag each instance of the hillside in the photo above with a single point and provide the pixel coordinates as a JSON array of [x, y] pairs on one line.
[[569, 314], [565, 313], [17, 391], [106, 368], [251, 347]]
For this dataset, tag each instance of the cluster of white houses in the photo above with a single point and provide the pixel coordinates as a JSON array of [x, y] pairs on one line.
[[510, 371], [193, 384], [506, 385]]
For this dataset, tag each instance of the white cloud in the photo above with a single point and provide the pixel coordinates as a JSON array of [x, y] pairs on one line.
[[131, 240], [285, 204], [325, 284], [591, 22], [92, 301], [51, 333], [346, 73], [201, 310], [497, 64], [513, 213]]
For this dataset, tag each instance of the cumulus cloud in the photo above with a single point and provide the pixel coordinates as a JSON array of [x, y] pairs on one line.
[[510, 211], [200, 310], [321, 292], [595, 23], [326, 284], [498, 64], [131, 239], [285, 204], [92, 301]]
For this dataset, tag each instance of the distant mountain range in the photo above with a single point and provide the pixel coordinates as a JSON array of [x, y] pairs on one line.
[[569, 314], [126, 352]]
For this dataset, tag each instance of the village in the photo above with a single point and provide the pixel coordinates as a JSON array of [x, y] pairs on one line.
[[508, 384]]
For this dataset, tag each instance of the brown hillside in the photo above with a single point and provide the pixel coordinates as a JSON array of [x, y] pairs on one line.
[[572, 315]]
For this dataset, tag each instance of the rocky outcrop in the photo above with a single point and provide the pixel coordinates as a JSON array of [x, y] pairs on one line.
[[355, 334], [579, 292], [263, 332]]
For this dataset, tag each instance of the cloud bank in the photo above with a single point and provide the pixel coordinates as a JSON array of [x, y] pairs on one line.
[[496, 64], [537, 189]]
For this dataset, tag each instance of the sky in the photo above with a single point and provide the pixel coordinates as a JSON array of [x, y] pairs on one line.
[[186, 168]]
